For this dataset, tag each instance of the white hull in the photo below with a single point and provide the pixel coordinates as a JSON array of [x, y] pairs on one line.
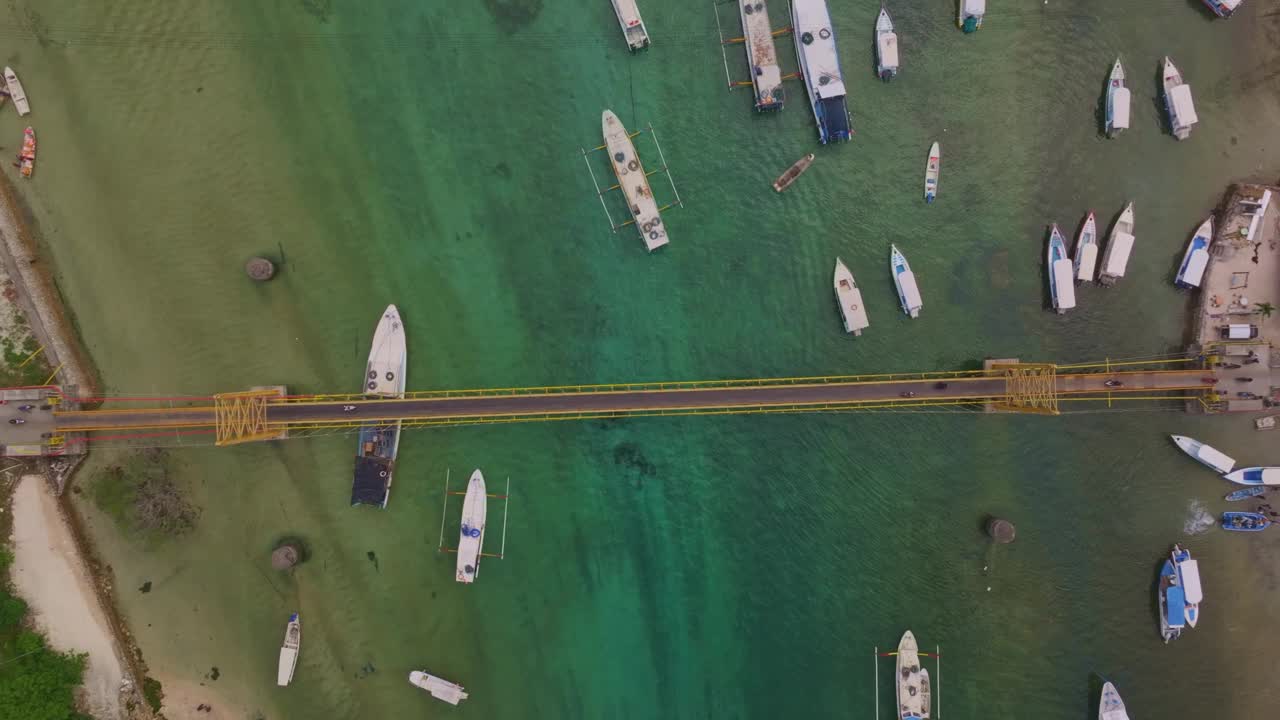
[[384, 373], [1196, 259], [1110, 706], [440, 689], [1116, 259], [849, 297], [16, 93], [932, 169], [1118, 101], [632, 25], [910, 683], [471, 538], [905, 281], [762, 54], [1255, 476], [1062, 291], [886, 46], [1205, 455], [820, 68], [1086, 260], [1178, 102], [289, 651], [635, 185]]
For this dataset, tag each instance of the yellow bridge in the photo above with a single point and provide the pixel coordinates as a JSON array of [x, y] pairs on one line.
[[1008, 386]]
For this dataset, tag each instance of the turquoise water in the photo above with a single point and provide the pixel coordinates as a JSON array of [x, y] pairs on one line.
[[675, 567]]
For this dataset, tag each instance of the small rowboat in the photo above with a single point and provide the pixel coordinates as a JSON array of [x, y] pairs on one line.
[[1245, 522], [27, 158], [785, 179], [1245, 493], [931, 173]]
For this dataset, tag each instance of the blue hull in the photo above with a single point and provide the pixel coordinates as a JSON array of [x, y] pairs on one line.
[[1245, 494], [1245, 522]]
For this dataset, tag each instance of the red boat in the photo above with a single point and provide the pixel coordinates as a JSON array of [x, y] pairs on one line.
[[27, 158]]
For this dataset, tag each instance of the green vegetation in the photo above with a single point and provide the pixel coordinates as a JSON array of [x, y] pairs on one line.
[[141, 497], [1265, 309], [152, 691], [36, 683], [34, 372]]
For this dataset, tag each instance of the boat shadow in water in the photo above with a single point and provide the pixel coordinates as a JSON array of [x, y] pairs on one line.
[[1100, 111], [1094, 698], [1046, 295]]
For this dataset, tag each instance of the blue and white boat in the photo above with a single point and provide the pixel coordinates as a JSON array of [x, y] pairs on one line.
[[969, 14], [1245, 521], [886, 47], [1189, 579], [1062, 290], [820, 68], [1196, 258], [905, 281], [1255, 476], [1117, 116], [1223, 8], [931, 171], [1110, 706], [1204, 454], [1245, 493], [380, 440]]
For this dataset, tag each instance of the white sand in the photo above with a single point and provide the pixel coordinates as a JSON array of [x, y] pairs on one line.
[[182, 697], [49, 574]]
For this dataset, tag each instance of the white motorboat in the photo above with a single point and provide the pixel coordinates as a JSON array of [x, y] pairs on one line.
[[633, 28], [471, 539], [1178, 102], [1189, 579], [905, 281], [1255, 476], [1196, 258], [1116, 259], [1204, 454], [16, 93], [1223, 8], [849, 298], [969, 14], [440, 689], [289, 651], [909, 685], [931, 170], [1087, 250], [1062, 291], [633, 181], [379, 441], [1110, 706], [886, 47], [820, 69], [1117, 114]]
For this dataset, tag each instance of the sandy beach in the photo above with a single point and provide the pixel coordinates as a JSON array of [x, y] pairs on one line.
[[48, 574], [184, 699]]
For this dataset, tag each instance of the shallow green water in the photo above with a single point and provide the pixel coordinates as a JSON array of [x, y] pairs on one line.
[[676, 567]]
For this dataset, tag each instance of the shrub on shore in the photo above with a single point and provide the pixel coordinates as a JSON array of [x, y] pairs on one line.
[[141, 497]]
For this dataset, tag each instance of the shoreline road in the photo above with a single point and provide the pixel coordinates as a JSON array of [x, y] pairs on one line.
[[977, 389]]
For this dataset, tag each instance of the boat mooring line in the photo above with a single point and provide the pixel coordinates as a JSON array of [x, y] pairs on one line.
[[506, 501], [875, 660]]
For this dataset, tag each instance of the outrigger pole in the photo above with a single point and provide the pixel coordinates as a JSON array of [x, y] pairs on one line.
[[937, 653], [875, 658], [444, 514], [444, 511], [665, 166]]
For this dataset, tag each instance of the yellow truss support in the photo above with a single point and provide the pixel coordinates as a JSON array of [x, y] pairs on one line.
[[242, 417], [1029, 388]]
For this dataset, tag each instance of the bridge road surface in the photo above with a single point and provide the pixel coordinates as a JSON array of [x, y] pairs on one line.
[[571, 403]]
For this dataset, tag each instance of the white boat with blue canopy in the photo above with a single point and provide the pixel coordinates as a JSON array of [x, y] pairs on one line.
[[1196, 258], [1204, 454], [1255, 476], [1062, 289], [1117, 114], [1223, 8], [886, 47], [970, 13], [1178, 102], [1189, 579], [820, 68], [475, 508], [1087, 250], [905, 281], [1110, 706]]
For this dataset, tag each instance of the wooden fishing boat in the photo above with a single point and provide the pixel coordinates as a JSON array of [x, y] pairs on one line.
[[27, 158], [931, 170], [785, 179]]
